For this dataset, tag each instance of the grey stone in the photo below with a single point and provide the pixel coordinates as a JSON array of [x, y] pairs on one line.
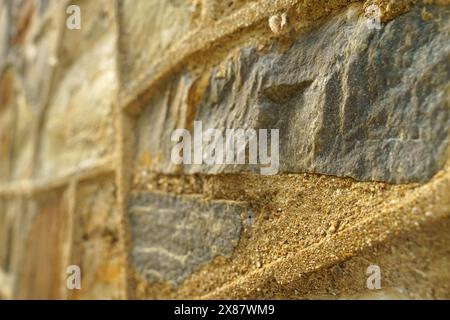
[[363, 103], [173, 236], [349, 101], [156, 124]]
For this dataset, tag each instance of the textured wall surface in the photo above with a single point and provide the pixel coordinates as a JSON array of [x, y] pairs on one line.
[[86, 177]]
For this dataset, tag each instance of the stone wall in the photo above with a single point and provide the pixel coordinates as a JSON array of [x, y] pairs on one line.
[[86, 177]]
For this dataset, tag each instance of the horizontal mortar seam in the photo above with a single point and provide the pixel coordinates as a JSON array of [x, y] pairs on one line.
[[100, 167]]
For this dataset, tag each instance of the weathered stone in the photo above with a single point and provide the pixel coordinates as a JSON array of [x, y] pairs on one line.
[[15, 224], [97, 252], [147, 28], [213, 10], [22, 17], [22, 150], [41, 266], [10, 241], [173, 236], [7, 119], [97, 21], [345, 98], [6, 226], [156, 124], [4, 30], [18, 121], [349, 101], [34, 38], [85, 96], [39, 62]]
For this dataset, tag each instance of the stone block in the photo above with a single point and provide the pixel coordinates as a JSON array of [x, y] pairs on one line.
[[348, 100], [85, 95], [147, 29], [18, 121], [42, 268], [97, 21], [173, 236], [4, 30], [15, 225], [96, 248], [7, 122]]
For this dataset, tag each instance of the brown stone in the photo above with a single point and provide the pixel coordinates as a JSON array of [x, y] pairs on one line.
[[42, 269], [86, 95], [97, 251], [147, 29]]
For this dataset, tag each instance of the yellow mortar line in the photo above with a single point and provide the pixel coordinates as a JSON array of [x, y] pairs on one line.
[[345, 244], [124, 151], [122, 181], [100, 167]]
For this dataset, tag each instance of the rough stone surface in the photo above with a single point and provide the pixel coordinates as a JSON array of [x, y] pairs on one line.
[[148, 27], [16, 221], [97, 22], [173, 236], [4, 35], [156, 124], [39, 60], [17, 120], [86, 95], [22, 150], [41, 266], [33, 44], [368, 104], [7, 118], [84, 89], [97, 222], [85, 173], [13, 231]]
